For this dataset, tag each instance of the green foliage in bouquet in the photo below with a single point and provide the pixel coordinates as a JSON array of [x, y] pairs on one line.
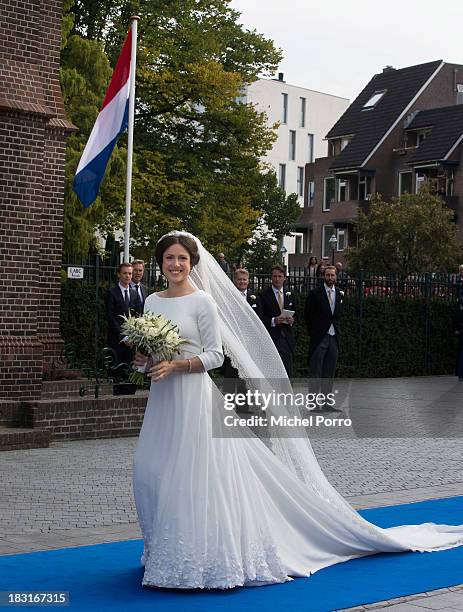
[[152, 335]]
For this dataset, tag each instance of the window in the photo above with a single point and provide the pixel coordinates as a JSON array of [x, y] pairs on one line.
[[459, 93], [421, 135], [344, 143], [374, 99], [405, 182], [364, 187], [310, 148], [311, 192], [299, 244], [419, 181], [292, 145], [302, 112], [343, 190], [444, 186], [282, 176], [328, 193], [327, 232], [284, 110], [342, 240], [300, 181]]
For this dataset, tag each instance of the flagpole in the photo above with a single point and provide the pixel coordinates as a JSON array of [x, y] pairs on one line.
[[128, 187]]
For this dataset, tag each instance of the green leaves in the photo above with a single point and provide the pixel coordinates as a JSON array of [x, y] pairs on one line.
[[412, 234], [197, 148]]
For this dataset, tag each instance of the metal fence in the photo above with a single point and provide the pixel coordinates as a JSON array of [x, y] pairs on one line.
[[421, 305], [444, 286]]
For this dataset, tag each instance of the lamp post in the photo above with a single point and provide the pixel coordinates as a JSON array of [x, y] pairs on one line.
[[333, 242], [283, 251]]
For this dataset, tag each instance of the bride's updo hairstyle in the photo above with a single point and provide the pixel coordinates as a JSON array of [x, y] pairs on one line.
[[187, 243]]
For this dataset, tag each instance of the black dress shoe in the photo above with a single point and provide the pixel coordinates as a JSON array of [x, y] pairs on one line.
[[319, 410], [331, 409]]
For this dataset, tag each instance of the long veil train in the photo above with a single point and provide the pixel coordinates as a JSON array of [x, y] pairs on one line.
[[253, 353]]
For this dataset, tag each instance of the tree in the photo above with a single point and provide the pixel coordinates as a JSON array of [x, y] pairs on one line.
[[261, 253], [197, 146], [278, 212], [412, 234], [84, 74]]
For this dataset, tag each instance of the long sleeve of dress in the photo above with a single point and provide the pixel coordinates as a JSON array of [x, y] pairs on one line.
[[208, 322]]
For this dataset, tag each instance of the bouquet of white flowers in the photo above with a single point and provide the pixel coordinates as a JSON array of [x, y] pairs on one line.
[[154, 336]]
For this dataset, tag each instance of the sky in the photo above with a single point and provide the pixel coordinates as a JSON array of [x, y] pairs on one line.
[[336, 46]]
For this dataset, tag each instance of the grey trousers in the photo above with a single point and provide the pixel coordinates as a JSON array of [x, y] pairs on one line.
[[323, 365]]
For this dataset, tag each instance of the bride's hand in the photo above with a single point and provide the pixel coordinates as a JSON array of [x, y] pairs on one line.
[[161, 370], [140, 359]]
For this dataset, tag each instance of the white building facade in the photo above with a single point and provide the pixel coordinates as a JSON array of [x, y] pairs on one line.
[[305, 117]]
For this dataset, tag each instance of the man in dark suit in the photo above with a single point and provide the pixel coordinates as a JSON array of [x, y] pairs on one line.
[[232, 382], [223, 263], [272, 302], [341, 276], [138, 270], [322, 314], [241, 281], [121, 300]]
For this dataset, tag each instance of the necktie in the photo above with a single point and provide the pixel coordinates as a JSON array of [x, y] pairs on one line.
[[280, 299], [140, 295], [126, 299], [331, 298]]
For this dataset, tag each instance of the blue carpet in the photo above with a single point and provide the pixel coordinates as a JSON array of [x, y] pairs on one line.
[[108, 576]]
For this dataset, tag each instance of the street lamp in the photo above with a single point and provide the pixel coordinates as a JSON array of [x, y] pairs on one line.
[[333, 242], [283, 251]]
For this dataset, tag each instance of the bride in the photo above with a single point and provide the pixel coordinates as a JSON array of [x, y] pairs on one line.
[[218, 511]]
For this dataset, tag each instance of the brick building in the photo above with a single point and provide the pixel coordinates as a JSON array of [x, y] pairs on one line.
[[33, 129], [404, 128]]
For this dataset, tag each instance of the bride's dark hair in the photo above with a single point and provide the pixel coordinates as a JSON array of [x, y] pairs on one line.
[[187, 243]]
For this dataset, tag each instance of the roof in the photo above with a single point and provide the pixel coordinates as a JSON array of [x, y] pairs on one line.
[[369, 126], [446, 125]]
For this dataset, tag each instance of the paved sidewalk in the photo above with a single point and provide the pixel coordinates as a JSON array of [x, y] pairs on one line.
[[79, 493]]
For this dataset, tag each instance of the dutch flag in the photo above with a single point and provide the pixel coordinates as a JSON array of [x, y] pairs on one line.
[[112, 120]]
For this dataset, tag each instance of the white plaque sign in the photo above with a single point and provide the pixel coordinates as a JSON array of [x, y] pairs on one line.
[[75, 272]]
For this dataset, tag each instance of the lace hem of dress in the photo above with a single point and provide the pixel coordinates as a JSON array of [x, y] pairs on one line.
[[174, 567]]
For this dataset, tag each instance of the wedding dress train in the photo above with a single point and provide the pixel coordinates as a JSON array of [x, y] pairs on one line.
[[223, 512]]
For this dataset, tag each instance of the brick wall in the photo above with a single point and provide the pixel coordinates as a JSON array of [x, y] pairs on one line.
[[458, 190], [33, 129], [88, 418]]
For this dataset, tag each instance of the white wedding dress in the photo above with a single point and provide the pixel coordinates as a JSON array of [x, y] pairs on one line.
[[223, 512]]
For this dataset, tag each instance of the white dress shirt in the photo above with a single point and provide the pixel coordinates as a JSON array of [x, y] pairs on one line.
[[124, 289], [137, 287]]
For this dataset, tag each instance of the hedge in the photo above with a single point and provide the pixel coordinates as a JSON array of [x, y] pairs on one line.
[[381, 336]]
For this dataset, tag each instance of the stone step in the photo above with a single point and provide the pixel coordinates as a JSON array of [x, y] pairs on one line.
[[19, 438]]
